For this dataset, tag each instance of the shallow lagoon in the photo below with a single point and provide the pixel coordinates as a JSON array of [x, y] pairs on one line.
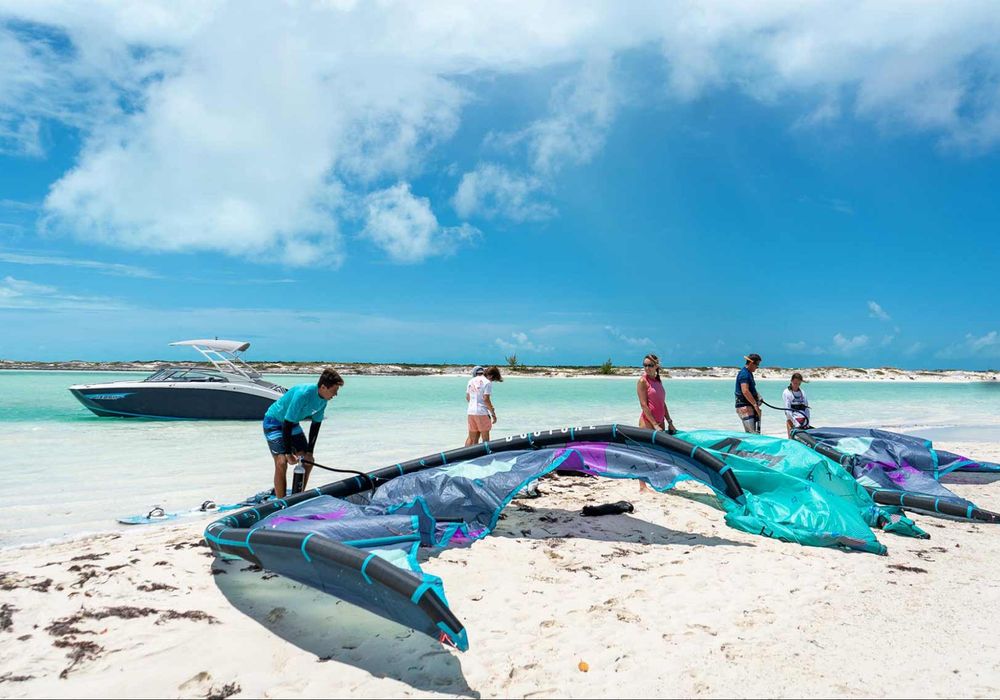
[[75, 472]]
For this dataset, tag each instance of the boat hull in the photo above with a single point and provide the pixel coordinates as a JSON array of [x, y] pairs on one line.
[[176, 401]]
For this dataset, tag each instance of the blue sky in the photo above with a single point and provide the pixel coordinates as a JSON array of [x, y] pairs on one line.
[[425, 183]]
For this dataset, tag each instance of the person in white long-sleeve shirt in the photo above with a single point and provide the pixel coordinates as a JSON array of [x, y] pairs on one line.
[[796, 405]]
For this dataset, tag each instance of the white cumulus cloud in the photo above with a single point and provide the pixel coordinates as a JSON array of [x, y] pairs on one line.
[[519, 341], [634, 341], [804, 348], [876, 311], [117, 269], [986, 345], [840, 345], [845, 346], [989, 341], [404, 226], [24, 294], [580, 112], [255, 129], [492, 190]]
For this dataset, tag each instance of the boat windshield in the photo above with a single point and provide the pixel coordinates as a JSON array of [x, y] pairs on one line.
[[182, 374]]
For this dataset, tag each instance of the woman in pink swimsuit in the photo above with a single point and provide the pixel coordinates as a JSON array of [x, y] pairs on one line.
[[652, 401], [653, 397]]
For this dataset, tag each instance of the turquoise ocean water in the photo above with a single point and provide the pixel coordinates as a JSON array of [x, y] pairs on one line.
[[74, 473]]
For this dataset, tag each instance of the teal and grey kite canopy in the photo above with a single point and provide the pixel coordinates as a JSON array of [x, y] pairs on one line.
[[358, 538], [900, 470]]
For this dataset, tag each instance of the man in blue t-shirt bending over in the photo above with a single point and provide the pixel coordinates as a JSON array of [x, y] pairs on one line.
[[284, 434]]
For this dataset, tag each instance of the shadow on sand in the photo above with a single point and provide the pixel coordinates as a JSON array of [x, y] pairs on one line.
[[335, 630], [525, 520]]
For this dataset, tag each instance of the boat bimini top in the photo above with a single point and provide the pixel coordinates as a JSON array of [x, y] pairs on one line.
[[224, 356]]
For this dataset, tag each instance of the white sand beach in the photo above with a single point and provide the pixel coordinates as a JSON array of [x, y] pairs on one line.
[[667, 601]]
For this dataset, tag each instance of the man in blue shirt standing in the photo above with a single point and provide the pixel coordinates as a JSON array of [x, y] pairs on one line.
[[747, 398], [284, 434]]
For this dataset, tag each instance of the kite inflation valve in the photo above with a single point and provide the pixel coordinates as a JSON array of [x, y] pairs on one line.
[[298, 477]]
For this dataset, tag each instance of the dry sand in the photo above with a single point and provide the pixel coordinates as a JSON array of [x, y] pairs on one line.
[[665, 602]]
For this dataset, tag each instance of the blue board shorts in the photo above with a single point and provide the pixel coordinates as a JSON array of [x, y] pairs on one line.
[[276, 440]]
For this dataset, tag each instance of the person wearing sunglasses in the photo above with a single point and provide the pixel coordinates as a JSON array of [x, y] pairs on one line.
[[653, 401], [747, 398], [653, 397]]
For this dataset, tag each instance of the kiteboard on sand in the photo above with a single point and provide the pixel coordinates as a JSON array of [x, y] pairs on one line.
[[159, 515]]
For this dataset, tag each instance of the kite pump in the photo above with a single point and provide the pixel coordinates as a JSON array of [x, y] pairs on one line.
[[298, 477]]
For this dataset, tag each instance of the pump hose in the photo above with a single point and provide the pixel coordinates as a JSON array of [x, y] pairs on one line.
[[364, 476]]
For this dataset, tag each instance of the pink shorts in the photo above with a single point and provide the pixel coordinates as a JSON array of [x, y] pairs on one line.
[[480, 424]]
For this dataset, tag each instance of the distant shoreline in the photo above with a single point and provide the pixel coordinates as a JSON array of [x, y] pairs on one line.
[[420, 370]]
